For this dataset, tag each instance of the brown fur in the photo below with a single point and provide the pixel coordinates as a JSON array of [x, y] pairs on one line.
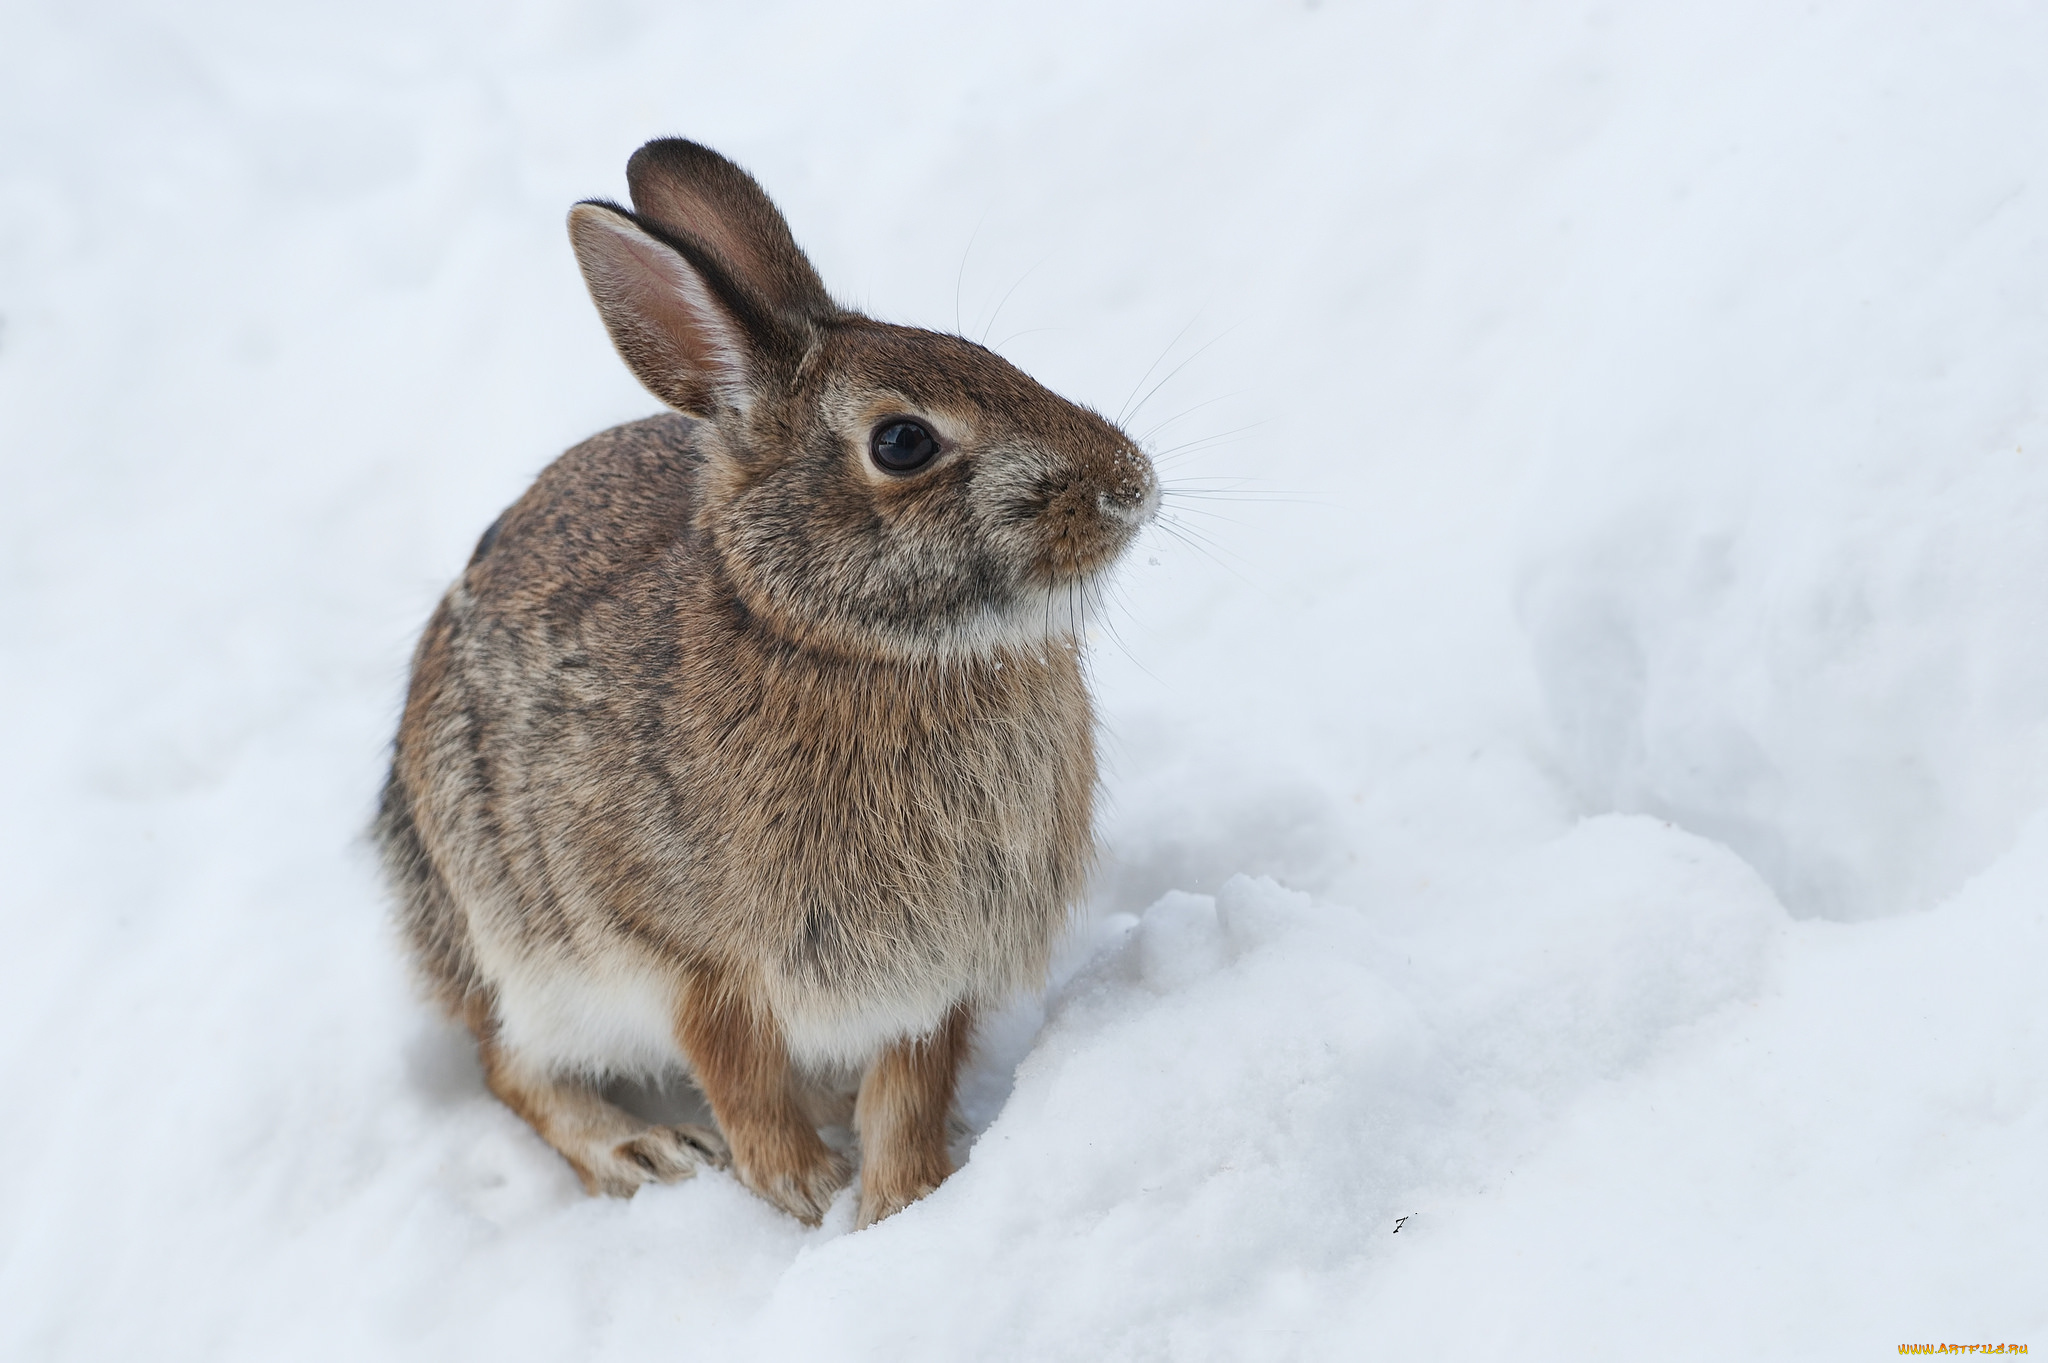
[[904, 1102], [728, 736], [741, 1064]]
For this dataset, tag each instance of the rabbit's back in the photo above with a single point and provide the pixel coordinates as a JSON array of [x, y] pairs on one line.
[[604, 513]]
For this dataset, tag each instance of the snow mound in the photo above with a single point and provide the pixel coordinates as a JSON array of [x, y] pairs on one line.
[[1267, 1085]]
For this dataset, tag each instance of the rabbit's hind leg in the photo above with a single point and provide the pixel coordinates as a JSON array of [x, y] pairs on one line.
[[905, 1103], [611, 1151]]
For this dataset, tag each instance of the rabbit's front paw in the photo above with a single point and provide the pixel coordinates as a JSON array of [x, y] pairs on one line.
[[880, 1197], [802, 1186], [895, 1174]]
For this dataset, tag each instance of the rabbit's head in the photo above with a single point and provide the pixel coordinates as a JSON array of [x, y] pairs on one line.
[[873, 489]]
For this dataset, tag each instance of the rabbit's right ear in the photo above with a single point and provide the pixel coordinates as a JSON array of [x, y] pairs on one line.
[[689, 340], [694, 195]]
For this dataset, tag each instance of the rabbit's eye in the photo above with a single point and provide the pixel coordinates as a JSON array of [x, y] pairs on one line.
[[902, 446]]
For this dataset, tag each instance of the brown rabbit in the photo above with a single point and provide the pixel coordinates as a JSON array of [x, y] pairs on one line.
[[755, 739]]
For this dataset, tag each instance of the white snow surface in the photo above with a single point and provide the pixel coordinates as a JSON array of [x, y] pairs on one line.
[[1576, 754]]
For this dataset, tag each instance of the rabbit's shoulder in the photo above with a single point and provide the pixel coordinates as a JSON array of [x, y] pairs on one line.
[[607, 512]]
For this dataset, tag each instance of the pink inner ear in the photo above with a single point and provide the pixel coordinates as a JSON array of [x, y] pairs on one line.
[[677, 301], [668, 326]]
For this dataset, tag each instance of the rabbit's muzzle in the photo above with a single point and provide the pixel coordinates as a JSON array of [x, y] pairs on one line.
[[1082, 522]]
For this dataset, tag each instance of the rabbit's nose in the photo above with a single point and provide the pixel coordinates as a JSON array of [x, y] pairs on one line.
[[1132, 506], [1132, 493]]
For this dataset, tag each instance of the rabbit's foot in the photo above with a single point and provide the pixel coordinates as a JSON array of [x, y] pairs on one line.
[[801, 1182], [660, 1154], [611, 1151], [903, 1166], [655, 1154], [885, 1193]]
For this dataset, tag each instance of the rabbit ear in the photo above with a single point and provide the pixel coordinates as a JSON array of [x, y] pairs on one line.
[[692, 193], [679, 333]]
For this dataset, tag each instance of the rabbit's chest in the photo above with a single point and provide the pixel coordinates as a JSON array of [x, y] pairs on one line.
[[946, 815], [893, 854]]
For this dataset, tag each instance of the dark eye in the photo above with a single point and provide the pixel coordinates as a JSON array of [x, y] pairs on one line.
[[902, 446]]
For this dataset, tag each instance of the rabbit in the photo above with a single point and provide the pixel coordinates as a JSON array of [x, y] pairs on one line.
[[754, 738]]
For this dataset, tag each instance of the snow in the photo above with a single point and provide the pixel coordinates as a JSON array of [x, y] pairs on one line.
[[1582, 790]]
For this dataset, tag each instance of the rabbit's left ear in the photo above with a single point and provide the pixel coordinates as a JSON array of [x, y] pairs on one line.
[[692, 343], [691, 193]]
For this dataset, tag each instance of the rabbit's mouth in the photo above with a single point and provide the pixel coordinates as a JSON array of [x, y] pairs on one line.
[[1081, 532], [1077, 534]]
